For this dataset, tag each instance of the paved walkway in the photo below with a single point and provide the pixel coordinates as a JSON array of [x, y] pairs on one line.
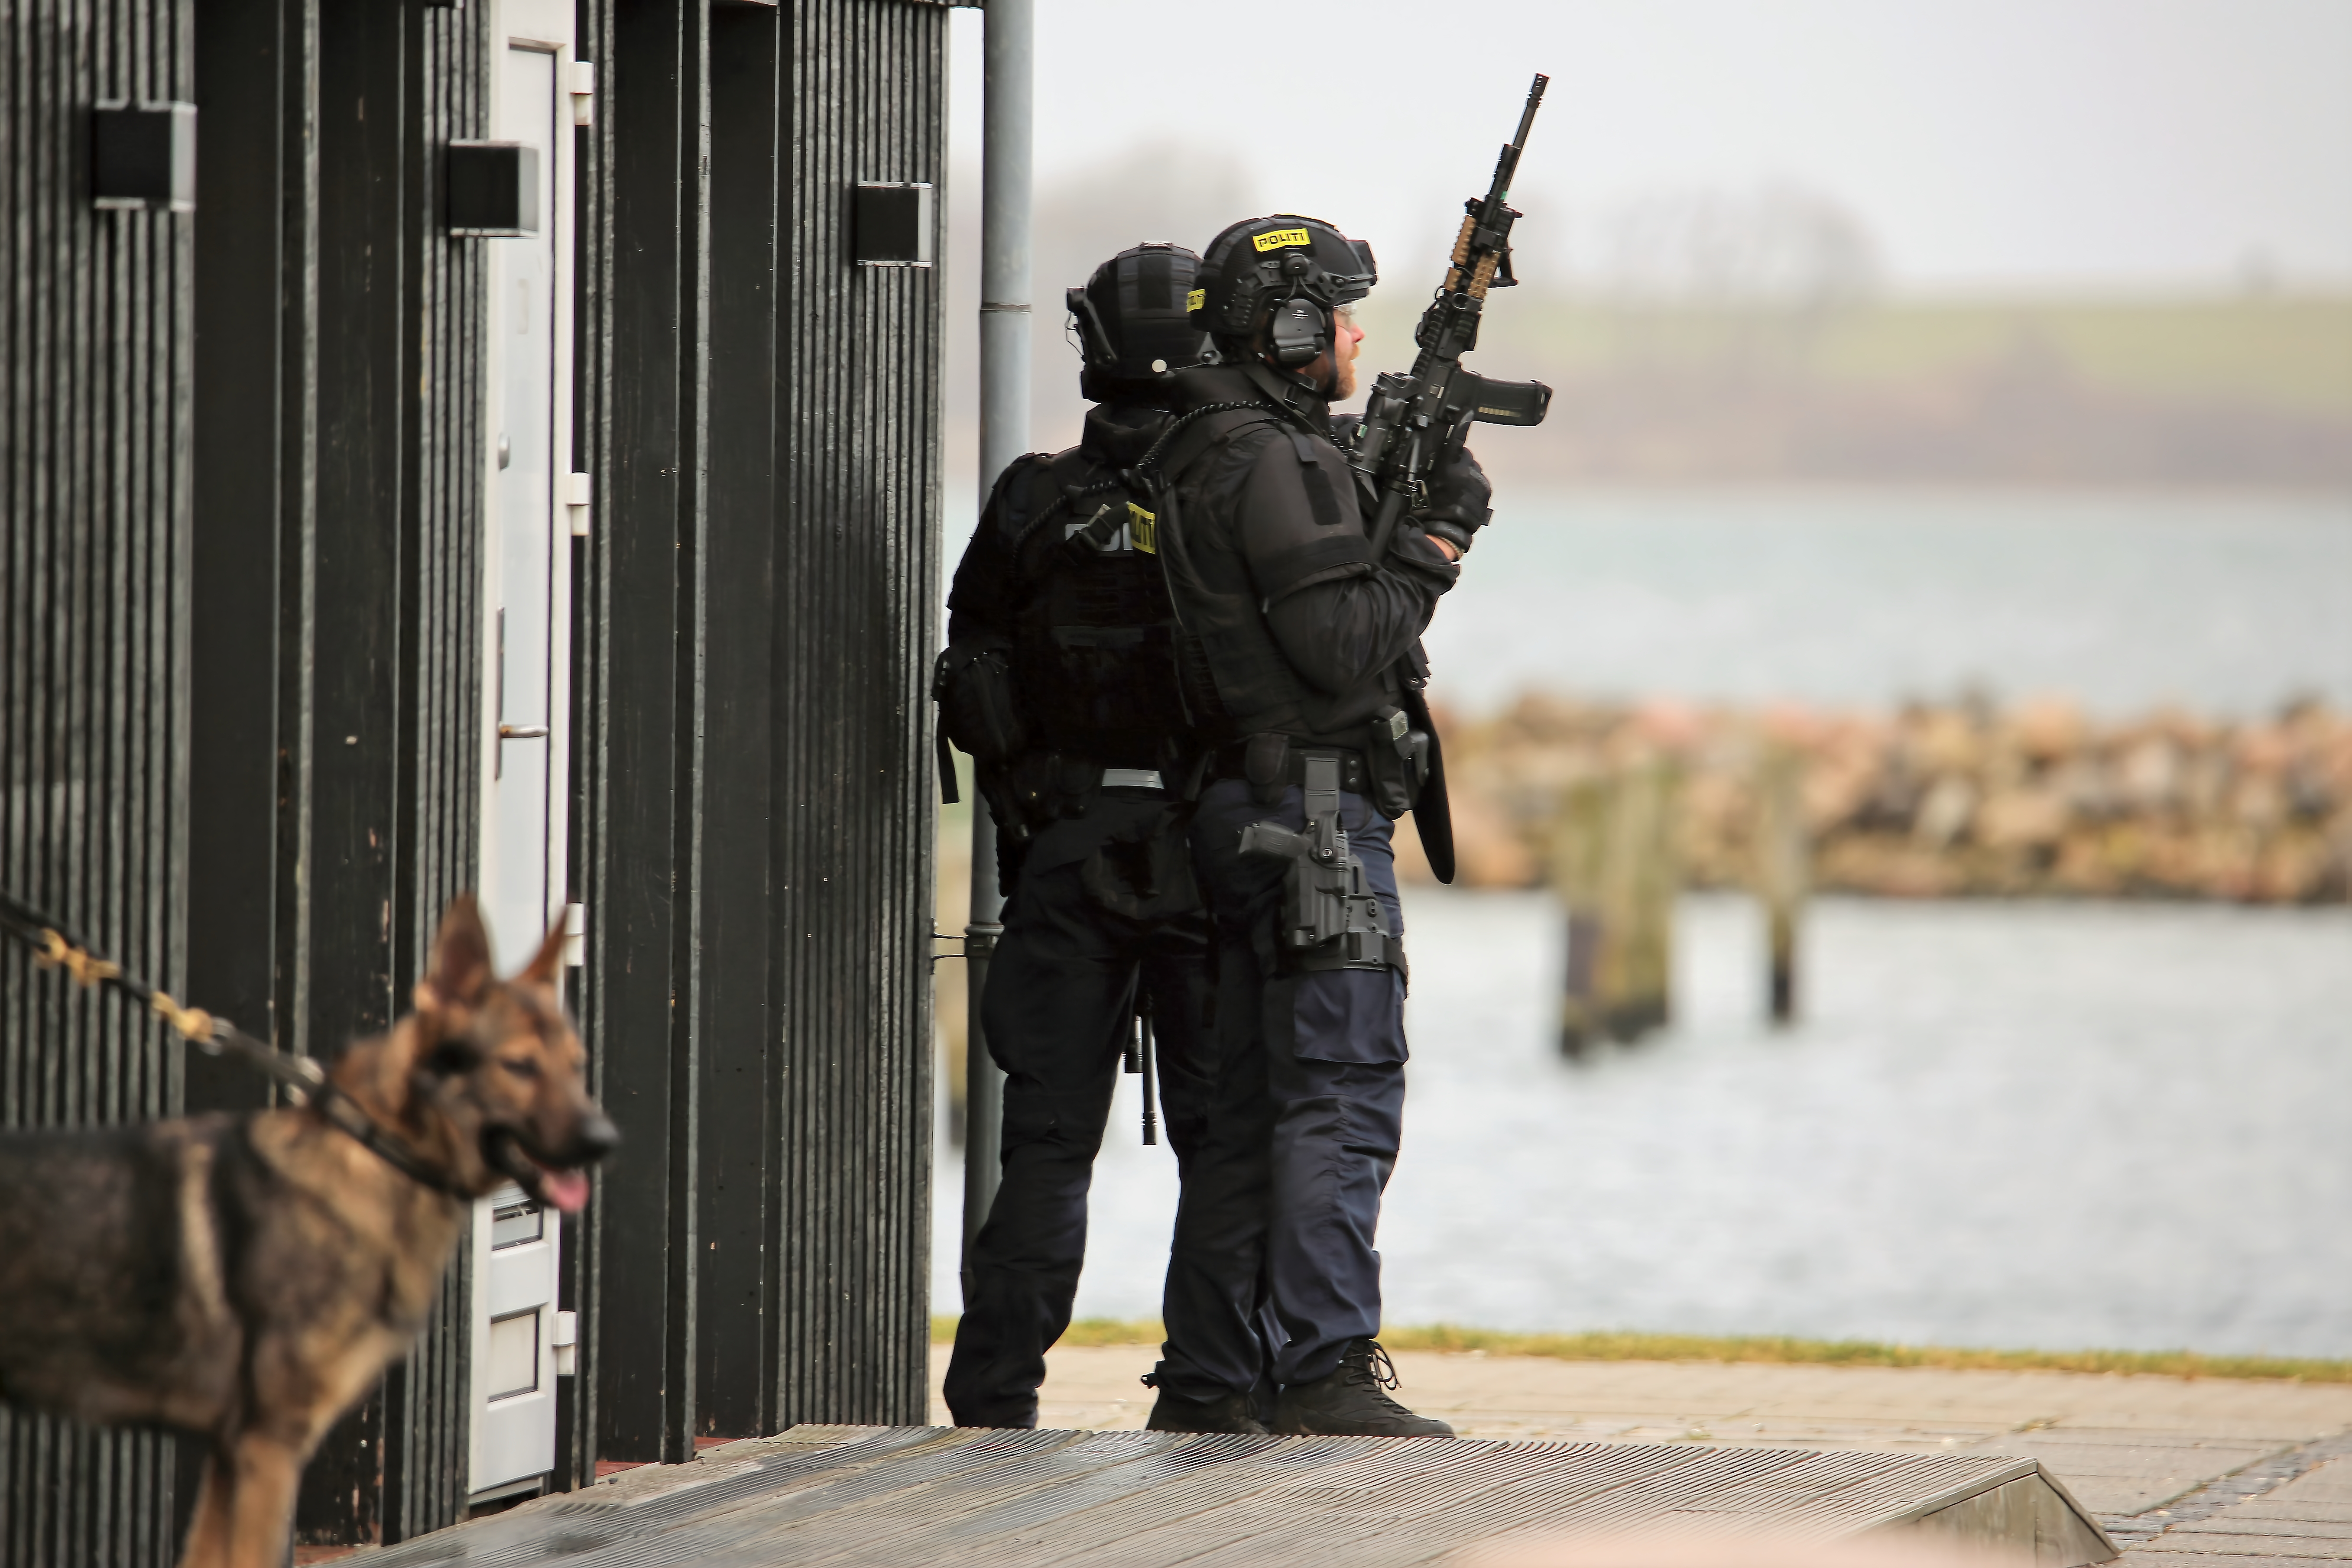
[[2184, 1473]]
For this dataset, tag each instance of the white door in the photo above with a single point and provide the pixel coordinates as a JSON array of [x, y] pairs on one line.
[[527, 599]]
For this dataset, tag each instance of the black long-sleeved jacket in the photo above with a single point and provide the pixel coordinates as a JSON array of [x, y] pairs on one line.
[[1303, 633]]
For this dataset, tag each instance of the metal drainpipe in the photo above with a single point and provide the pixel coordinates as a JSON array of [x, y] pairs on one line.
[[1006, 53]]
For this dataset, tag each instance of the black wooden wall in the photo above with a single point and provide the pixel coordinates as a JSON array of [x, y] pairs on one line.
[[94, 619], [756, 624], [240, 678]]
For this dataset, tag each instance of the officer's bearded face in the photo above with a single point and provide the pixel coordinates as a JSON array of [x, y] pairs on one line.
[[1346, 337]]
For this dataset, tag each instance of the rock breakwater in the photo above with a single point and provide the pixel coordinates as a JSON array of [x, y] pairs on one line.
[[1937, 799]]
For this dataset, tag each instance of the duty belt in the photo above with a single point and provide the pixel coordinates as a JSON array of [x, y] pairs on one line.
[[1354, 776]]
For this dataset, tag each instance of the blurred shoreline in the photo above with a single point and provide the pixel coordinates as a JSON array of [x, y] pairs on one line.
[[1956, 799], [2253, 391], [1746, 337]]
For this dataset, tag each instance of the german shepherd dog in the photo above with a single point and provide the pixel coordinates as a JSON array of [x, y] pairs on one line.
[[246, 1278]]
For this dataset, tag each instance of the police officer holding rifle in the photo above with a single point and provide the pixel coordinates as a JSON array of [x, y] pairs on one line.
[[1301, 576]]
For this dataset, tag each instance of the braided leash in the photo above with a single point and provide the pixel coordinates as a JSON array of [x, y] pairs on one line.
[[56, 945]]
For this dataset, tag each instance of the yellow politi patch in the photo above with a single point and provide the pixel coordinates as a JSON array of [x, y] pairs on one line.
[[1142, 529], [1275, 239], [1196, 298]]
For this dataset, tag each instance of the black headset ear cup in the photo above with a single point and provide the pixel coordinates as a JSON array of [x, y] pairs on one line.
[[1298, 334], [1097, 350]]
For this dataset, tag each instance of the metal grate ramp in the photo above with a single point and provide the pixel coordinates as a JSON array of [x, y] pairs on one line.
[[921, 1495]]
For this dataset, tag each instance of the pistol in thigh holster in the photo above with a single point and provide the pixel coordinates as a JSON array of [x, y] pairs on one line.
[[1331, 919]]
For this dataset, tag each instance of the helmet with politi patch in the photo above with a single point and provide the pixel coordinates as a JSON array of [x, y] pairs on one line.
[[1279, 277]]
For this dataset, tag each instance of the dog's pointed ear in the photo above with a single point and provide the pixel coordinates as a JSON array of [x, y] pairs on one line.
[[542, 968], [461, 959]]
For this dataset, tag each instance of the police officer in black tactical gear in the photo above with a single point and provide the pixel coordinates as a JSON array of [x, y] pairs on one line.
[[1301, 662], [1060, 680]]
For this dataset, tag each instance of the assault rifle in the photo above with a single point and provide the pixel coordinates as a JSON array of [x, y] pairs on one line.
[[1412, 422]]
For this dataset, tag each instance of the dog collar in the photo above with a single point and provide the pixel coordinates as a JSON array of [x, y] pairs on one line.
[[343, 1113]]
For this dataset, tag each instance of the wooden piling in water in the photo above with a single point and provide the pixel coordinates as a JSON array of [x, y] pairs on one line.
[[1615, 868], [1782, 870], [1578, 834]]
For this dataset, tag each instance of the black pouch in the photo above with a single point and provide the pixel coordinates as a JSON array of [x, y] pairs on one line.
[[1147, 873], [1264, 761], [1397, 757], [979, 709]]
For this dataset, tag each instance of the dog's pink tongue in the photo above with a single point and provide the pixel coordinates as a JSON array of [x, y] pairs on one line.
[[568, 1191]]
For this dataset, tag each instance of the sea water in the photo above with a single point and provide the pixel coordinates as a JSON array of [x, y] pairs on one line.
[[2047, 1125]]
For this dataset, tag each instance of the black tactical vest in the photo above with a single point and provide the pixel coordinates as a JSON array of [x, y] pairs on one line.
[[1094, 637], [1229, 656]]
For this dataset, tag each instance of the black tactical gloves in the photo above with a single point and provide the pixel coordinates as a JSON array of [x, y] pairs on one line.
[[1455, 505]]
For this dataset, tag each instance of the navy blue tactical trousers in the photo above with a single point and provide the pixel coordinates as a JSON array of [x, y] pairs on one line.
[[1059, 999], [1275, 1232]]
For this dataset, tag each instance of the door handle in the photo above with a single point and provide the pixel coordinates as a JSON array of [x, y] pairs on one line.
[[523, 732]]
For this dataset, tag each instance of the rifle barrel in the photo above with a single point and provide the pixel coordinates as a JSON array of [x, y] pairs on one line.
[[1507, 167], [1527, 120]]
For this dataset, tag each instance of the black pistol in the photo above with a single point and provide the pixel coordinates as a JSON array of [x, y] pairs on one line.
[[1414, 422]]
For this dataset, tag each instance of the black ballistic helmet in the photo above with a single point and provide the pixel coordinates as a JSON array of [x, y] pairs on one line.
[[1284, 273], [1132, 319]]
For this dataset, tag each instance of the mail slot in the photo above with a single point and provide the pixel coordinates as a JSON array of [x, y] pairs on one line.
[[512, 1224]]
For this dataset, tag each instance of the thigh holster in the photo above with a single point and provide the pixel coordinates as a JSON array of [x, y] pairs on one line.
[[1331, 919]]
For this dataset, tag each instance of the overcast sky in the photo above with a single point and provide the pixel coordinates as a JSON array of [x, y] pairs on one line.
[[2155, 145]]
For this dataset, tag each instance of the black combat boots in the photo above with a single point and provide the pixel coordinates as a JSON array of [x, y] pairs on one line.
[[1174, 1412], [1353, 1401]]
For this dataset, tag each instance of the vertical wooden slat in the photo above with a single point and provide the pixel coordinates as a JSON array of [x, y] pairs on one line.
[[249, 310], [733, 762], [344, 637], [642, 291]]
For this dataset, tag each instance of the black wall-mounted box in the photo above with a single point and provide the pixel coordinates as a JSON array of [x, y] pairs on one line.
[[143, 156], [492, 189], [890, 224]]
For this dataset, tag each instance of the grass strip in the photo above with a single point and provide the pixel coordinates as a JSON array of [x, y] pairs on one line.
[[1626, 1346]]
